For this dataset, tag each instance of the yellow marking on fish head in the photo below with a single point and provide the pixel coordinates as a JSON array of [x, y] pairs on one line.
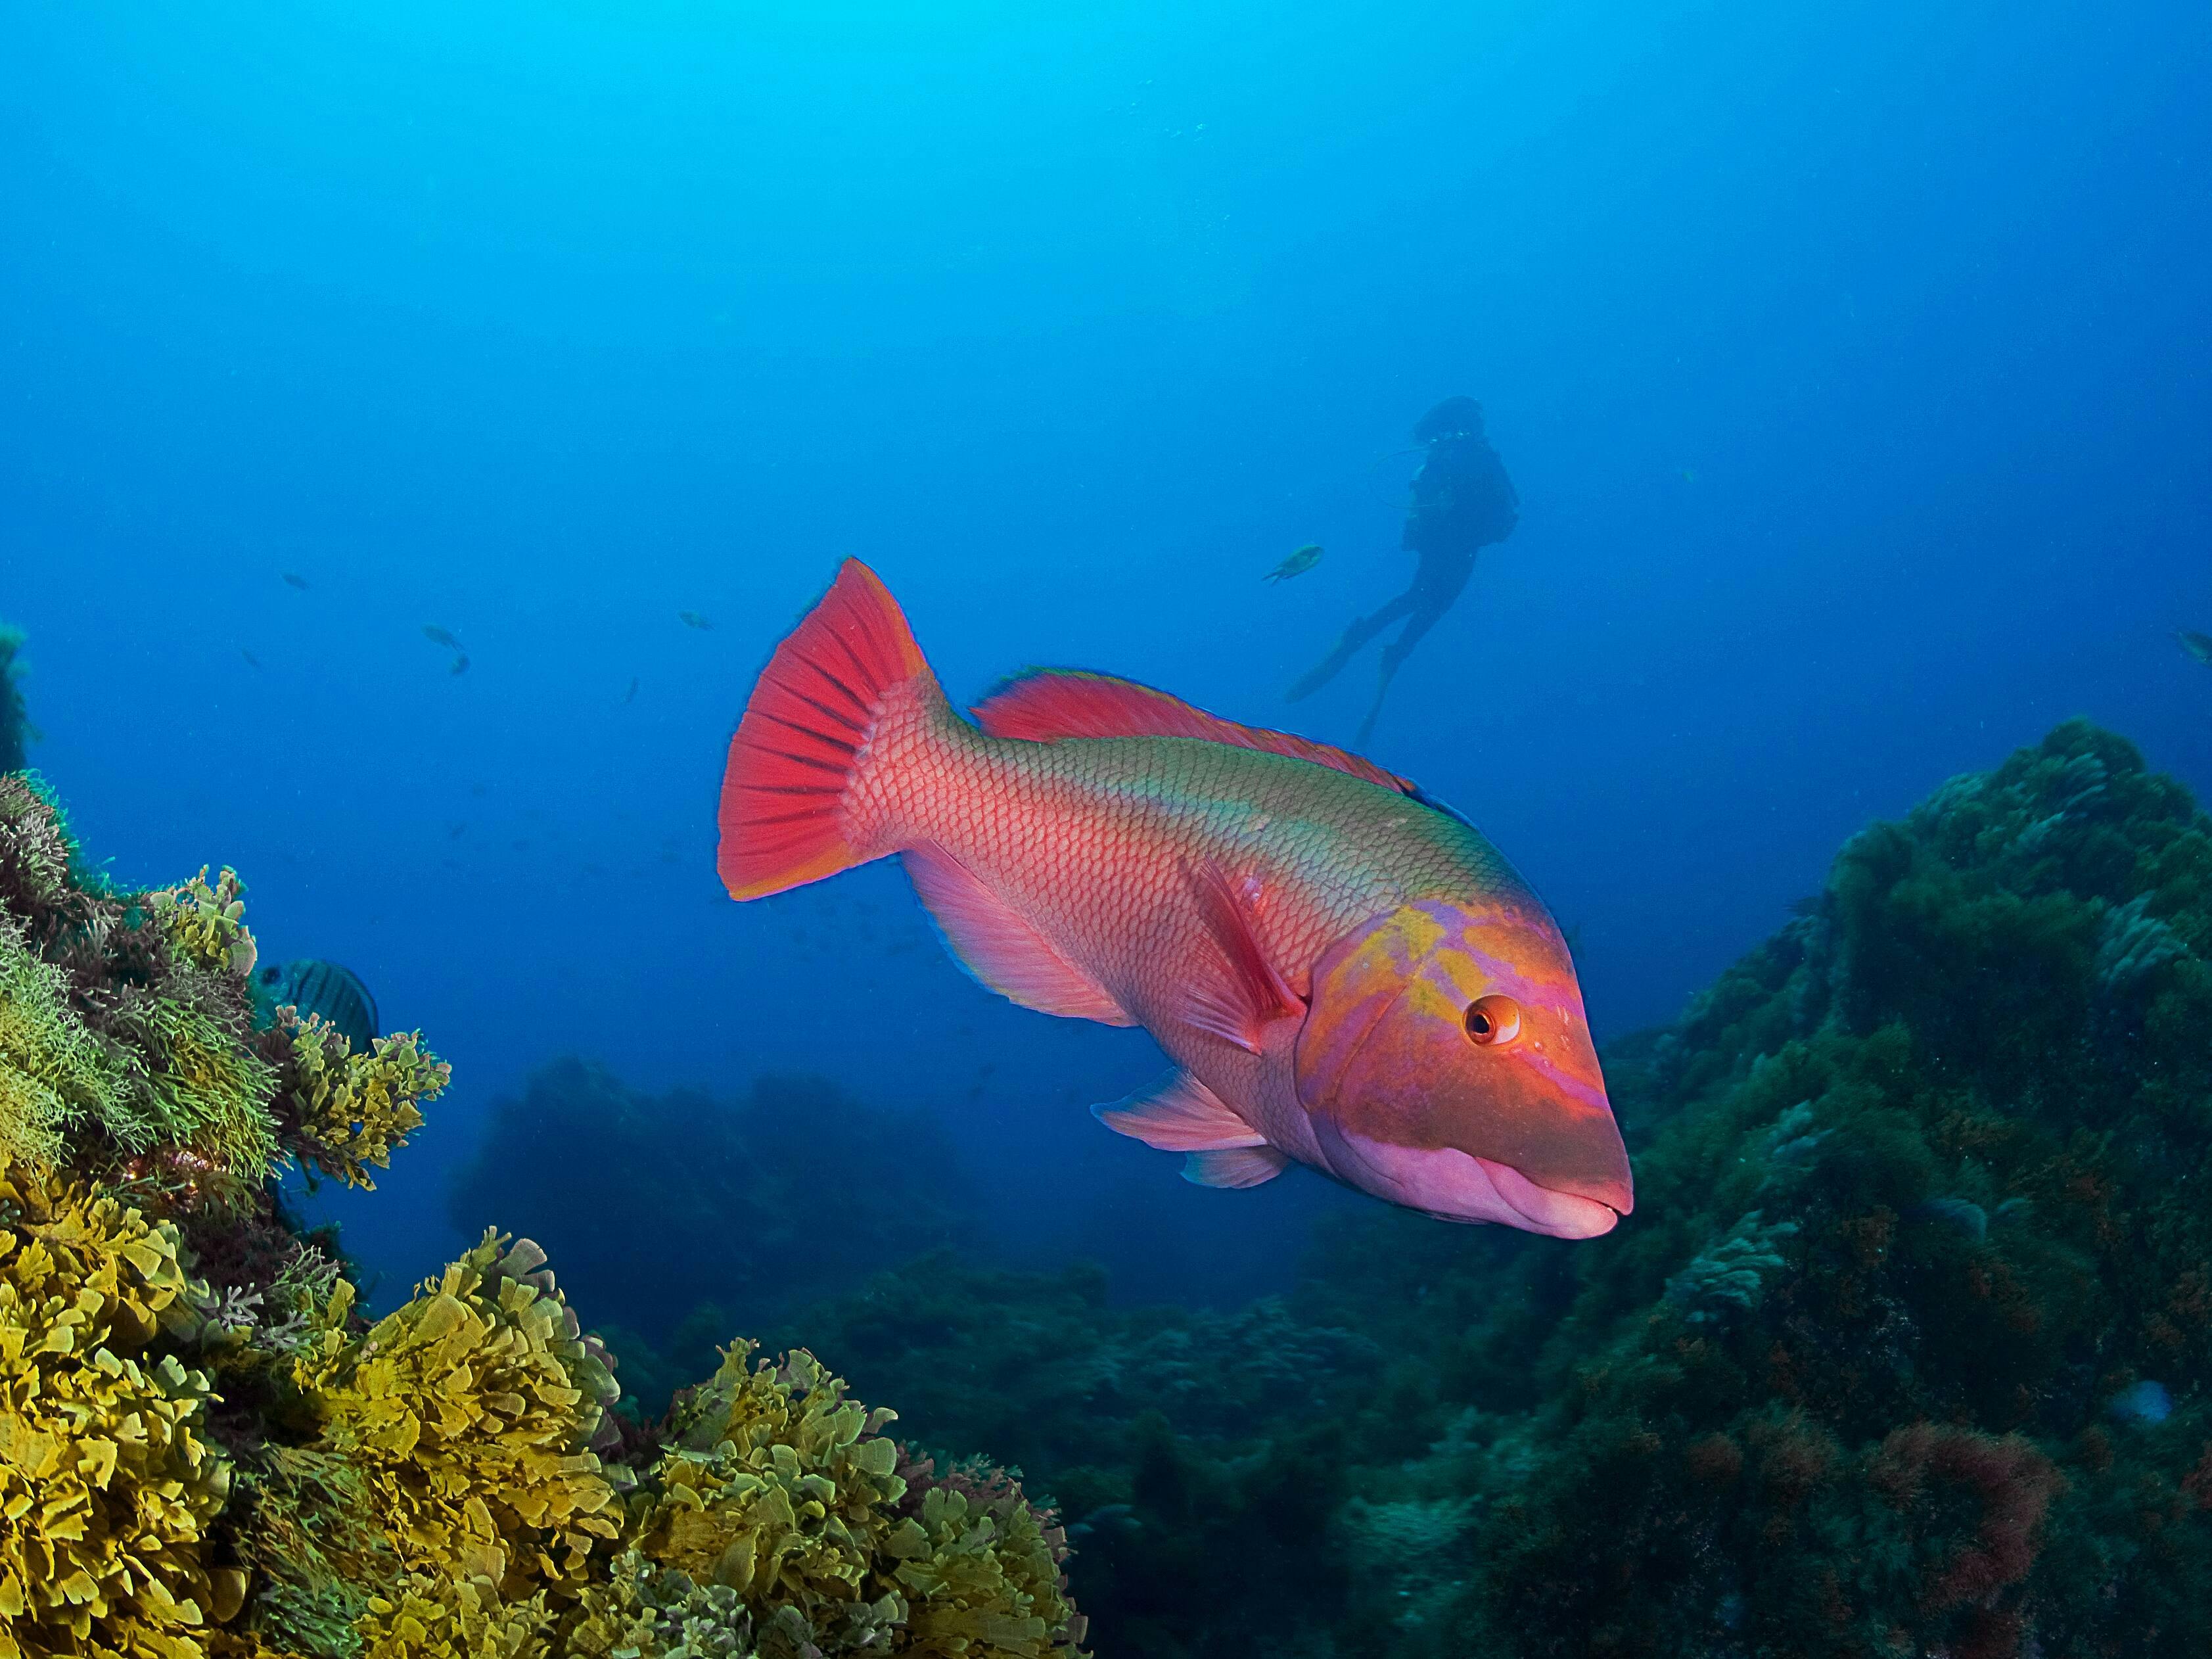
[[1446, 1062]]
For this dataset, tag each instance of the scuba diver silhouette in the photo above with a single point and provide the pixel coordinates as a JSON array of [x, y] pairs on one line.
[[1462, 502]]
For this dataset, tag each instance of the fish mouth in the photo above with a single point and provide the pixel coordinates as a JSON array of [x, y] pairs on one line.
[[1455, 1186], [1548, 1210]]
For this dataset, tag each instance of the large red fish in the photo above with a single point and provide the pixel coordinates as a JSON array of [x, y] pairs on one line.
[[1346, 973]]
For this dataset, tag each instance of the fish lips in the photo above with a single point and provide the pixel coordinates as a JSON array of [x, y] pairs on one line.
[[1453, 1186], [1405, 1106]]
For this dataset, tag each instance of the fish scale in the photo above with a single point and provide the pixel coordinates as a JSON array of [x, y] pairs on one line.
[[1090, 838]]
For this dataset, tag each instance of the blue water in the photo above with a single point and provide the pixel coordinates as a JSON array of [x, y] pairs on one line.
[[1850, 361]]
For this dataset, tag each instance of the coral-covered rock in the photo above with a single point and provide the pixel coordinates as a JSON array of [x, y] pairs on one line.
[[243, 1466], [469, 1414], [109, 1489]]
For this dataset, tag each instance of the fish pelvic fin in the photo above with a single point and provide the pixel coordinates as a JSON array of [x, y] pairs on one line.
[[1000, 946], [805, 733], [1241, 1166], [1181, 1115], [1238, 996]]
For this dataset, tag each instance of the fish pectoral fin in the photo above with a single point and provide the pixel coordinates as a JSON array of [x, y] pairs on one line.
[[1000, 947], [1245, 992], [1181, 1115], [1242, 1166]]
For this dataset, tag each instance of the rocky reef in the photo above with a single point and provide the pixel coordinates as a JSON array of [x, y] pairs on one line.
[[207, 1451], [14, 724], [1904, 1351], [791, 1192]]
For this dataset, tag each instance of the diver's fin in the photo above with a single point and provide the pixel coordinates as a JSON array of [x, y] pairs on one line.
[[1241, 1166], [1047, 704], [1236, 1002], [999, 947], [1181, 1115], [804, 726]]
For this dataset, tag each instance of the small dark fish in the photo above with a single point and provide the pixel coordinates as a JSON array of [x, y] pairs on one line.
[[2197, 645], [292, 580], [252, 661], [460, 665], [1297, 565], [315, 987], [438, 635], [693, 619], [455, 831], [630, 695]]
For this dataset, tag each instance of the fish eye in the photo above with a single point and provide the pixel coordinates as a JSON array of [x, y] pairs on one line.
[[1493, 1019]]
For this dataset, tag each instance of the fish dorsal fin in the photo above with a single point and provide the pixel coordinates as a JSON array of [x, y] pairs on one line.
[[1245, 992], [1048, 704], [1181, 1115], [1000, 947]]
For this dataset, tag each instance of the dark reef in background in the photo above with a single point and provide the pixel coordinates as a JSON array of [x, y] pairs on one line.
[[1921, 1217], [714, 1216], [14, 722]]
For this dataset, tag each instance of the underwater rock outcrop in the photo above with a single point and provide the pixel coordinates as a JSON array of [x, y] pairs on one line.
[[828, 1190], [207, 1451], [1906, 1350]]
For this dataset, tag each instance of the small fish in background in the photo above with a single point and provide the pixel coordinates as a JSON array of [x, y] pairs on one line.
[[1689, 475], [252, 661], [693, 619], [630, 695], [2142, 1402], [315, 987], [293, 579], [2199, 646], [444, 636], [454, 831], [1297, 565]]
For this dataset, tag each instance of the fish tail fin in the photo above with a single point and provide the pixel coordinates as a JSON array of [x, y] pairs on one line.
[[800, 743]]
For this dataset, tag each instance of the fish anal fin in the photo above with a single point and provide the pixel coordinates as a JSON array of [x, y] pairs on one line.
[[1182, 1115], [1000, 947], [1048, 704], [1246, 992], [1240, 1166]]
